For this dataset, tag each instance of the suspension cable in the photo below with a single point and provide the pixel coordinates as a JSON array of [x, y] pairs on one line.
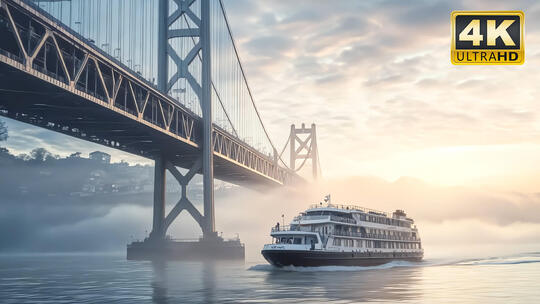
[[243, 73], [213, 86], [286, 144]]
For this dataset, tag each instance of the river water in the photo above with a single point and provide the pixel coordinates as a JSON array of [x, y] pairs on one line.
[[80, 278]]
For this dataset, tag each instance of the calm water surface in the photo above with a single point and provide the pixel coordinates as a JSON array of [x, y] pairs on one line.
[[112, 279]]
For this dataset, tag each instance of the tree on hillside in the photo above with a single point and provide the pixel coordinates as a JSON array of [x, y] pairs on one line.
[[41, 155], [3, 131]]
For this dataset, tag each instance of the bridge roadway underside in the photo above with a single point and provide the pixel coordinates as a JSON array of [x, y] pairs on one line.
[[29, 99]]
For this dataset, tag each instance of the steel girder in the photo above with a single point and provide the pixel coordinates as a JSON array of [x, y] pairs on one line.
[[80, 72]]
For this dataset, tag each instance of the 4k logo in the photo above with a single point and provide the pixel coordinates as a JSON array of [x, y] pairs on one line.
[[487, 37]]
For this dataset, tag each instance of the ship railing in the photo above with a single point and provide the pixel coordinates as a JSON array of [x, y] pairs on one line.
[[285, 228], [183, 240], [381, 254], [311, 217], [350, 207], [374, 236], [335, 218], [342, 219]]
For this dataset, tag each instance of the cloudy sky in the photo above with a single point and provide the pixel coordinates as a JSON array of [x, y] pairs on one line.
[[376, 78]]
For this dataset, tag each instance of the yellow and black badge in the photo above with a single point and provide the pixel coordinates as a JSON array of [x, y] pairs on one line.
[[487, 37]]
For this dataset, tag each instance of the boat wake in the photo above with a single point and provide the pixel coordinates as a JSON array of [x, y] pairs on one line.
[[508, 260], [503, 260]]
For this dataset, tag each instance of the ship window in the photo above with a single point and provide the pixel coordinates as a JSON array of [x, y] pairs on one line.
[[297, 241], [310, 239], [286, 240]]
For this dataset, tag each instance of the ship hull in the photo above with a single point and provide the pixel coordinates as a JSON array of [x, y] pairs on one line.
[[311, 258]]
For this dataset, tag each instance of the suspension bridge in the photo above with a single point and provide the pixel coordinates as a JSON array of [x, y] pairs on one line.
[[161, 79]]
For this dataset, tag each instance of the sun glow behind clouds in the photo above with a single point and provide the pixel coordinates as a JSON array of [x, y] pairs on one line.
[[508, 167], [377, 79]]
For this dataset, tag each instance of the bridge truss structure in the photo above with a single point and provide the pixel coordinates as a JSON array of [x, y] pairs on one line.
[[53, 77]]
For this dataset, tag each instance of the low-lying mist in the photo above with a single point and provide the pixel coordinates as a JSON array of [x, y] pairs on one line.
[[454, 222]]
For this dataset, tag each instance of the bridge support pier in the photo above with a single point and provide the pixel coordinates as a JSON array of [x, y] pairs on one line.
[[204, 94], [161, 222], [158, 231], [184, 203], [209, 230], [158, 246]]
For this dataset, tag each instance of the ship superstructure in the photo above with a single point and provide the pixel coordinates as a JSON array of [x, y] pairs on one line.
[[332, 234]]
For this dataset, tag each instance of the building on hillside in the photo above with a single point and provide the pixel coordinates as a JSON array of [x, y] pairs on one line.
[[101, 157]]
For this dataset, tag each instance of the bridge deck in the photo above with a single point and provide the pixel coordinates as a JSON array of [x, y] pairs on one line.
[[54, 79]]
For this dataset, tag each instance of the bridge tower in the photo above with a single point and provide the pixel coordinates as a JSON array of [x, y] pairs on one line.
[[203, 163], [307, 148]]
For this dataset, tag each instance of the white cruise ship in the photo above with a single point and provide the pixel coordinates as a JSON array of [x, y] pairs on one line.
[[330, 234]]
